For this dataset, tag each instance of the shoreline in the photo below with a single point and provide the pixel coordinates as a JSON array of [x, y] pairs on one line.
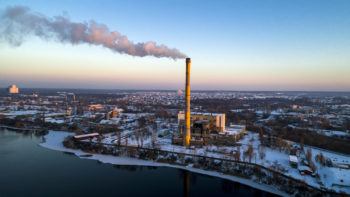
[[54, 142]]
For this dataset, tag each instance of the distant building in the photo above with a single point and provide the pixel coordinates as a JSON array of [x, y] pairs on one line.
[[114, 113], [13, 89], [96, 107], [179, 92]]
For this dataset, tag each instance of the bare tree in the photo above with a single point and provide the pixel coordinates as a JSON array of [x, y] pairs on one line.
[[261, 134], [142, 136], [154, 134], [237, 154], [302, 142], [308, 155], [119, 137], [137, 136], [313, 166], [321, 159], [262, 153], [250, 152]]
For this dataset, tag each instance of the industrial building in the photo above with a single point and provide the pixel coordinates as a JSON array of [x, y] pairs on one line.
[[202, 126], [13, 89], [213, 122]]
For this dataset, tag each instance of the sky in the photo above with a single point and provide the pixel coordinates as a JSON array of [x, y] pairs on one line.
[[234, 45]]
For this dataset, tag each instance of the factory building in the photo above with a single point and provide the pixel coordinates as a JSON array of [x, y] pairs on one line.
[[214, 122], [202, 127], [13, 89]]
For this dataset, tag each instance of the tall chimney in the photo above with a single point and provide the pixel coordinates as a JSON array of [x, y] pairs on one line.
[[187, 136]]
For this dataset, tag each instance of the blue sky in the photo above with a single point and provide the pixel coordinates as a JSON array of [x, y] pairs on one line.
[[234, 45]]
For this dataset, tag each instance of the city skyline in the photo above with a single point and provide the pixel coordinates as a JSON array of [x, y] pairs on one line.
[[268, 45]]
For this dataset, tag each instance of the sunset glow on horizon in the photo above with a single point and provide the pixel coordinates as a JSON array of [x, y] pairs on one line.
[[275, 45]]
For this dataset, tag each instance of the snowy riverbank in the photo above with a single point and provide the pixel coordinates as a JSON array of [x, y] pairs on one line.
[[53, 141]]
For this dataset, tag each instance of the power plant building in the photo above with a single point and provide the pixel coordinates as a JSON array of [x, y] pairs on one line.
[[215, 121], [202, 127]]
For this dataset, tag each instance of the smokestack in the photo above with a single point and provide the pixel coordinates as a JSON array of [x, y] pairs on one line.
[[187, 136]]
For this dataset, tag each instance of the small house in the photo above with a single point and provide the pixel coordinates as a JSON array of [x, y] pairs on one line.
[[293, 160]]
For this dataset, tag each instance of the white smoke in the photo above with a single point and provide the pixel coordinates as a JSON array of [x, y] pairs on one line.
[[18, 21]]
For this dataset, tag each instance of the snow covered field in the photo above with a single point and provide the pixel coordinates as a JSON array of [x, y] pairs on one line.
[[54, 139]]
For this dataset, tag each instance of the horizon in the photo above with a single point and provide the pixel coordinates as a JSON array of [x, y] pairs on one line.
[[234, 46], [171, 90]]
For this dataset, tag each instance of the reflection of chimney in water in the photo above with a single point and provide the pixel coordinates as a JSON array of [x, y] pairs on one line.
[[186, 182], [187, 133]]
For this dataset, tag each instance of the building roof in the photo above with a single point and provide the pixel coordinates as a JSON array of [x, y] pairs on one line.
[[86, 135], [293, 158], [204, 113]]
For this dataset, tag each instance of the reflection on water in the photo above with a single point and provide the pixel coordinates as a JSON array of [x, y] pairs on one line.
[[186, 182], [27, 169]]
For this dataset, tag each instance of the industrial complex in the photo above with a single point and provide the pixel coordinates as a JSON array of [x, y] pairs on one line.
[[200, 128]]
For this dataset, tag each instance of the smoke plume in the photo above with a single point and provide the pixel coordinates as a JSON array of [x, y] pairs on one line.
[[18, 22]]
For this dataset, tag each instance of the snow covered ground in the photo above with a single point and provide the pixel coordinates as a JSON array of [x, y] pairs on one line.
[[54, 120], [54, 139], [330, 177], [19, 113]]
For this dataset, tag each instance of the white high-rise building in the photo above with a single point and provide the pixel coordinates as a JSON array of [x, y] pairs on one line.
[[13, 89]]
